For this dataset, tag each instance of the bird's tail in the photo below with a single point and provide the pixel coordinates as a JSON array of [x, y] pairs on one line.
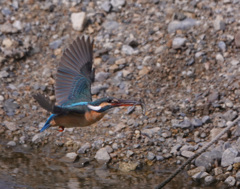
[[48, 124]]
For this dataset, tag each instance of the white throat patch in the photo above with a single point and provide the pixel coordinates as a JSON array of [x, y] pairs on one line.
[[95, 108]]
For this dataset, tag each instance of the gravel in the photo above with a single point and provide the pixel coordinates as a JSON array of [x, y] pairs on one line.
[[180, 59]]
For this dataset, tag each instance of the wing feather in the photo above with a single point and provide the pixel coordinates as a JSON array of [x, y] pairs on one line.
[[75, 73]]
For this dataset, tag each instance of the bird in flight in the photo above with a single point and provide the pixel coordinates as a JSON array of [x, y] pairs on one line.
[[74, 106]]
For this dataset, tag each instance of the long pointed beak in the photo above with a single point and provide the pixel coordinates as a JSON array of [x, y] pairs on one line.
[[120, 102]]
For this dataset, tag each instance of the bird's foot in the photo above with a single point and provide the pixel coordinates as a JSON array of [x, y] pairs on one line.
[[61, 129]]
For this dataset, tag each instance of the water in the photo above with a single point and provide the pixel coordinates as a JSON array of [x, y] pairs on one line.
[[28, 169]]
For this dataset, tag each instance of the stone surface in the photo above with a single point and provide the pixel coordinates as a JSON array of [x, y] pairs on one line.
[[10, 125], [228, 157], [127, 167], [84, 148], [78, 20], [181, 25], [230, 181], [102, 156], [178, 42]]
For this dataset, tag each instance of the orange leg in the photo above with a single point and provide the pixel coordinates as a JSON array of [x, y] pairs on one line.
[[61, 129]]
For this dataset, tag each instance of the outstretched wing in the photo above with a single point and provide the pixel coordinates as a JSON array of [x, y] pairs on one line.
[[75, 73]]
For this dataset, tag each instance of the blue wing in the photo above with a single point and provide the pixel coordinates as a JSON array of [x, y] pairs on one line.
[[75, 73]]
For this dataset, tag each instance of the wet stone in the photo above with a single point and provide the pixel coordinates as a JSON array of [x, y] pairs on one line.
[[181, 25]]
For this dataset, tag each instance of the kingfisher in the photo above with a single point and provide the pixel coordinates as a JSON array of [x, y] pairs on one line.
[[74, 106]]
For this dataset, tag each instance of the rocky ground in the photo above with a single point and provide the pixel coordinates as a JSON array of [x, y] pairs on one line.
[[181, 57]]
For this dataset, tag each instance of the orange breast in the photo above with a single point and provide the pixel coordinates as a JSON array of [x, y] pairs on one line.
[[77, 120]]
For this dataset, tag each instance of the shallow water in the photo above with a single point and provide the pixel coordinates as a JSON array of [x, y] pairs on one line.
[[25, 169]]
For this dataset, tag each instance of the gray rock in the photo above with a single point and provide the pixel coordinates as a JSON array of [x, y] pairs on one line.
[[110, 25], [150, 132], [187, 154], [36, 138], [128, 50], [235, 62], [11, 143], [181, 25], [222, 46], [200, 175], [6, 11], [10, 125], [196, 170], [230, 181], [213, 96], [228, 157], [115, 146], [70, 157], [219, 58], [175, 149], [207, 159], [159, 158], [55, 44], [84, 148], [78, 20], [150, 156], [196, 122], [10, 106], [102, 156], [129, 153], [106, 6], [17, 24], [7, 28], [97, 89], [4, 74], [102, 76], [185, 124], [238, 176], [119, 127], [209, 180], [109, 149], [219, 24], [230, 115], [117, 3], [178, 42], [236, 160]]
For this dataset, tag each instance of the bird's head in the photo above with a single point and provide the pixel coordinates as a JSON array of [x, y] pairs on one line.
[[106, 103]]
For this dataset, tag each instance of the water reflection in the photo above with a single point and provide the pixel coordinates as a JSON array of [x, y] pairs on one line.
[[26, 170]]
